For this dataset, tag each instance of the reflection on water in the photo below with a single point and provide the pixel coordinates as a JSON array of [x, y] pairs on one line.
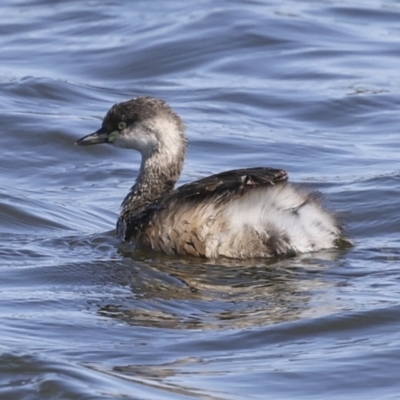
[[185, 294], [161, 376]]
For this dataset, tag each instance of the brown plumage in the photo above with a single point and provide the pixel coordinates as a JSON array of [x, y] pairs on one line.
[[175, 223], [241, 213]]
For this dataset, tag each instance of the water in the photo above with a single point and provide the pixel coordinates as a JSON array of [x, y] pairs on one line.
[[308, 86]]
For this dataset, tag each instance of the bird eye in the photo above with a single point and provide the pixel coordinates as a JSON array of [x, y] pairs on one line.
[[121, 125]]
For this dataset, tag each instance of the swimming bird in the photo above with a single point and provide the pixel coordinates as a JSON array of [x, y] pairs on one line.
[[243, 213]]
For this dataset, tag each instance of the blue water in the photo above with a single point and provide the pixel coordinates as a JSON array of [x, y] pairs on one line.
[[309, 86]]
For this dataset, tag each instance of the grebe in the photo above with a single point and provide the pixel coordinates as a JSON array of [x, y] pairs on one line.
[[242, 213]]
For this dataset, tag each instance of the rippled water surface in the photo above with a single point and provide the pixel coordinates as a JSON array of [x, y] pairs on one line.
[[309, 86]]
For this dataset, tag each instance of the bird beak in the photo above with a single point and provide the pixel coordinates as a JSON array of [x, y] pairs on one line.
[[98, 137]]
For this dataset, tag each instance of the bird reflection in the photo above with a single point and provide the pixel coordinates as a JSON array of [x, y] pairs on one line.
[[186, 294]]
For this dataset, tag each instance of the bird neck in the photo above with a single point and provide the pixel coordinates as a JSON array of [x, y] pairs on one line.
[[157, 177]]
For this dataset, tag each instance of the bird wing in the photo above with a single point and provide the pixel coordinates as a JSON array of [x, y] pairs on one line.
[[216, 189], [226, 185]]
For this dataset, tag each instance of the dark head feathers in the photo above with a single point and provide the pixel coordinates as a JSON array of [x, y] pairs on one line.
[[138, 110]]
